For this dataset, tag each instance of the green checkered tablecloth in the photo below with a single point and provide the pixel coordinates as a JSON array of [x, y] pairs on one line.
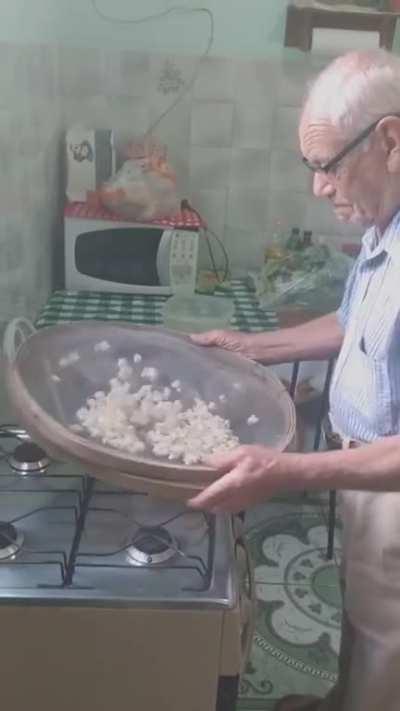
[[64, 306]]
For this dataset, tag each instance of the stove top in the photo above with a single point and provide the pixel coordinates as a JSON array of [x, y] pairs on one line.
[[66, 537]]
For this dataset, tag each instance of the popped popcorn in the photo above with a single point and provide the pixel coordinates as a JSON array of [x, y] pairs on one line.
[[69, 359], [102, 346], [149, 374], [77, 428], [252, 420], [148, 419]]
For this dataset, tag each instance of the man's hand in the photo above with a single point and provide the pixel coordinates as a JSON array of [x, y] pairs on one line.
[[250, 474], [234, 341]]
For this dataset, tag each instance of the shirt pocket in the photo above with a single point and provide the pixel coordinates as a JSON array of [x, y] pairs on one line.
[[365, 383]]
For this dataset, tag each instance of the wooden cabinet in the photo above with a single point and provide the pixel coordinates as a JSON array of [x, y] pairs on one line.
[[302, 18]]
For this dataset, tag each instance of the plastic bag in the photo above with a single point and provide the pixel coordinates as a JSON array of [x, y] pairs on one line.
[[311, 278], [144, 189]]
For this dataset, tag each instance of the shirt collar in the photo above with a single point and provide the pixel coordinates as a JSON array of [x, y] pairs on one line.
[[375, 248]]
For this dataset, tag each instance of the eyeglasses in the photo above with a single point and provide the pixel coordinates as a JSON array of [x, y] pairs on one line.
[[332, 164]]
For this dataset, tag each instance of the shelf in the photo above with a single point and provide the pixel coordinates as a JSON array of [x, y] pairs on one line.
[[301, 20]]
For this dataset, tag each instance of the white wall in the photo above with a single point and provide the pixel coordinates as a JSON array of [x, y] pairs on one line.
[[250, 27]]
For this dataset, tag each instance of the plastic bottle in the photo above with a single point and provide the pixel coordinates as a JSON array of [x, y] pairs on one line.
[[275, 248], [294, 239]]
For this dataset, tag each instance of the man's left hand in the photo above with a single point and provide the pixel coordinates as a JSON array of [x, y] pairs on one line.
[[249, 474]]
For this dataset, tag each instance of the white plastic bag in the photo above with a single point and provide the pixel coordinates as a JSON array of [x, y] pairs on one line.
[[311, 278], [144, 189]]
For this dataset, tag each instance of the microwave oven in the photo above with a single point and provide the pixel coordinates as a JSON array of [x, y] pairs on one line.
[[108, 255]]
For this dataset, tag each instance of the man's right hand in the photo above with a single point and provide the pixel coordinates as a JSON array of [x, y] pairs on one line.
[[234, 341]]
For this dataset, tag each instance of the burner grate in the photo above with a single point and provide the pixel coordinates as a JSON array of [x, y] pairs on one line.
[[11, 541], [109, 560], [34, 556]]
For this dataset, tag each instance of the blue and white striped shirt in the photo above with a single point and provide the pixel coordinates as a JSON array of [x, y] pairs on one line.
[[365, 390]]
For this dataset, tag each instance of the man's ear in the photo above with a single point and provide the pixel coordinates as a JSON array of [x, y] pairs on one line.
[[388, 131]]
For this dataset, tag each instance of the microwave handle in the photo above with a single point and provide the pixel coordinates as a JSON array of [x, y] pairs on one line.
[[163, 257]]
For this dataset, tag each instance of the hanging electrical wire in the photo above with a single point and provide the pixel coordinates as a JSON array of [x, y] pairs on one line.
[[174, 10], [185, 205]]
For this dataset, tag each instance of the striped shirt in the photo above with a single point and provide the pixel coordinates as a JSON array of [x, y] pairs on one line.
[[365, 389]]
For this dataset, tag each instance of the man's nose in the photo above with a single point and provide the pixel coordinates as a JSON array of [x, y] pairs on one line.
[[322, 185]]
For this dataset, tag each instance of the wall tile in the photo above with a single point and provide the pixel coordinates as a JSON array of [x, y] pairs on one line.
[[215, 80], [252, 126], [36, 70], [169, 79], [249, 167], [174, 126], [256, 82], [125, 113], [211, 204], [11, 246], [209, 168], [9, 81], [286, 210], [80, 72], [247, 209], [287, 172], [174, 132], [295, 75], [285, 131], [125, 73], [212, 123], [245, 249]]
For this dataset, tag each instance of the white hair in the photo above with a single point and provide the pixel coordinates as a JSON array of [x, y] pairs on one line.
[[355, 90]]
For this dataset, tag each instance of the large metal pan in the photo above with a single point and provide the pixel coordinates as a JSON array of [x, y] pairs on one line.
[[47, 407]]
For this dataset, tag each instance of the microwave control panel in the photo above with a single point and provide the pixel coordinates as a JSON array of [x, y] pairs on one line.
[[183, 259]]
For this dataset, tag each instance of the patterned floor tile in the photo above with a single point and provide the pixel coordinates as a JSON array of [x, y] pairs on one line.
[[298, 606], [338, 535], [296, 504]]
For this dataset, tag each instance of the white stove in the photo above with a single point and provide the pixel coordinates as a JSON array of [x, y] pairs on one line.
[[83, 560]]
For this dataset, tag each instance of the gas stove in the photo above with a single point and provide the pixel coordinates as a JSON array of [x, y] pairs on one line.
[[66, 537], [113, 595]]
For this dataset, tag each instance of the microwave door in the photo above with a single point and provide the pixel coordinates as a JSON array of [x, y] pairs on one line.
[[123, 258]]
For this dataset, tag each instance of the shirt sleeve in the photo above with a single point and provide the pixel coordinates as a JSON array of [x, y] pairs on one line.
[[344, 309]]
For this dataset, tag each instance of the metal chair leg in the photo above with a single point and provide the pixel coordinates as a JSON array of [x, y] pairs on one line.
[[317, 444], [331, 525]]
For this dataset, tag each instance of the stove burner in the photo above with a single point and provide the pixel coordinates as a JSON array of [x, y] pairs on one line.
[[151, 546], [10, 541], [29, 458]]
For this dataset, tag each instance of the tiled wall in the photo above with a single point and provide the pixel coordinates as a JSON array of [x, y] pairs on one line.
[[232, 141], [29, 180], [30, 120]]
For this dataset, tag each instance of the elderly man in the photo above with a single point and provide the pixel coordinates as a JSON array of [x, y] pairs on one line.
[[350, 139]]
